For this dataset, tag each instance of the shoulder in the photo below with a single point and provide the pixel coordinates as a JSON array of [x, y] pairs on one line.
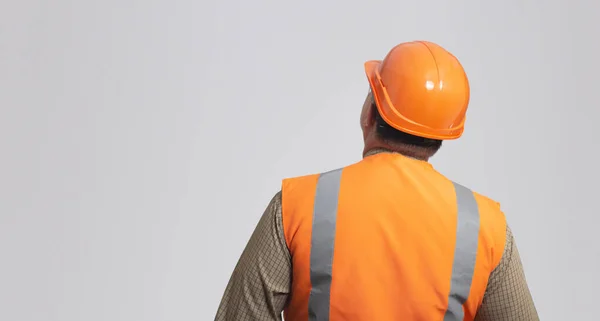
[[489, 209], [302, 186], [488, 206], [301, 179]]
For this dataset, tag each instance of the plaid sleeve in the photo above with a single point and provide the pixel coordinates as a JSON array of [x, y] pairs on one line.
[[507, 297], [260, 284]]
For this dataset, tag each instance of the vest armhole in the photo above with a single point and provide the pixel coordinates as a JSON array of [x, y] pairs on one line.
[[499, 234], [285, 222], [495, 227], [297, 199]]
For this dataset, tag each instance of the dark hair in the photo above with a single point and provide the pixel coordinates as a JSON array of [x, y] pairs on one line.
[[392, 135]]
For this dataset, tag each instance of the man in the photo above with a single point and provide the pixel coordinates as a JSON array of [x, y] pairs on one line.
[[387, 238]]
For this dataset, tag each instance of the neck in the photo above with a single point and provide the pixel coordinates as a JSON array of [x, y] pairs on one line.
[[405, 150]]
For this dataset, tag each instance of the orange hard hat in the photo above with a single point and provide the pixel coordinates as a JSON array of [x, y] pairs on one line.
[[421, 89]]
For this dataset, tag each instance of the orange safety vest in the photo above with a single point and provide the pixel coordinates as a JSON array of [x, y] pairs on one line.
[[388, 239]]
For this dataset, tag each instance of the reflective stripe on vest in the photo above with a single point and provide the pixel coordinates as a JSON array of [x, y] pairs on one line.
[[322, 245]]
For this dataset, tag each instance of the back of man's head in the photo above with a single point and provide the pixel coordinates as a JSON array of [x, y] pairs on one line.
[[396, 139]]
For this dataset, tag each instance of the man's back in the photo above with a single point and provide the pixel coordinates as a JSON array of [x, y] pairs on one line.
[[388, 238], [262, 283]]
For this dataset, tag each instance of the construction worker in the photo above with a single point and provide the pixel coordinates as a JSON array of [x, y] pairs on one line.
[[386, 238]]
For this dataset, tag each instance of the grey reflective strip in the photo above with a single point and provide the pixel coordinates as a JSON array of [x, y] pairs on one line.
[[465, 252], [321, 247]]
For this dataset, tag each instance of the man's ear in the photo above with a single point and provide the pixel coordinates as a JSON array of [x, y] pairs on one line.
[[371, 110]]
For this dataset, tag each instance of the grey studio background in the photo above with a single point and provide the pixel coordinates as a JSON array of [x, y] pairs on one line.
[[140, 141]]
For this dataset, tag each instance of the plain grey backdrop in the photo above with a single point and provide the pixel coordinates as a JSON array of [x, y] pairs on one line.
[[140, 141]]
